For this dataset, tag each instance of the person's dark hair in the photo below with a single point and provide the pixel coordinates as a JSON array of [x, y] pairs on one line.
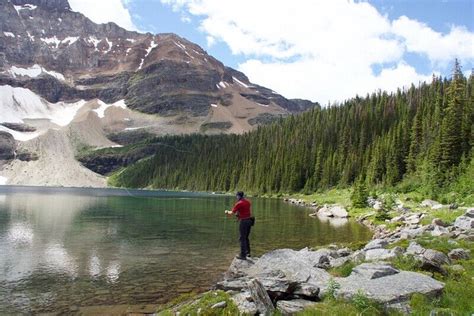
[[240, 194]]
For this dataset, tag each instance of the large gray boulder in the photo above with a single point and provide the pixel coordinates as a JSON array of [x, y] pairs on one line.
[[386, 285], [415, 249], [295, 267], [434, 260], [376, 243], [333, 211], [466, 221]]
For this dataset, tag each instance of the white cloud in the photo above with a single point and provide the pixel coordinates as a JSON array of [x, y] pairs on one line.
[[323, 50], [420, 38], [105, 11]]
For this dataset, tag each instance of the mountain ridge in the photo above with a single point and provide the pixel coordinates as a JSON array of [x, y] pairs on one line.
[[66, 79]]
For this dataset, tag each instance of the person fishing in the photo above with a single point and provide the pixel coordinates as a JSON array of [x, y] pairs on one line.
[[242, 209]]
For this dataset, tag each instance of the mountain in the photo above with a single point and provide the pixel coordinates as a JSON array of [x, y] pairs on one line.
[[66, 84]]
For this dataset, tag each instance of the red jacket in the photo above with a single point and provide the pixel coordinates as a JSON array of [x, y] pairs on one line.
[[242, 208]]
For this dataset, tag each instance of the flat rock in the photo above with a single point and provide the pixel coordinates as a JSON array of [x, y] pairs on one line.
[[388, 289], [293, 306], [379, 254], [233, 285], [374, 271], [238, 267], [375, 244]]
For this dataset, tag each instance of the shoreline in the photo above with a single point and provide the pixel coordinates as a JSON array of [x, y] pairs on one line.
[[372, 265]]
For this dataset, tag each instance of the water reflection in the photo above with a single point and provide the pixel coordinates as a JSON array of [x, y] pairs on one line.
[[62, 250]]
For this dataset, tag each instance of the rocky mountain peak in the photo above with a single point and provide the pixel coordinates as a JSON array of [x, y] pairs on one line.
[[59, 5]]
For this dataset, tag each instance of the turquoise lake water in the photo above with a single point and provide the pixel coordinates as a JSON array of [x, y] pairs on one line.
[[62, 249]]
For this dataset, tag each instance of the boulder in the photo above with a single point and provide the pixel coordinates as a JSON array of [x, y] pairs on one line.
[[324, 211], [390, 286], [434, 260], [307, 290], [376, 243], [438, 222], [244, 303], [466, 221], [439, 231], [238, 267], [294, 306], [260, 297], [415, 249], [378, 205], [339, 211], [430, 203], [298, 267], [413, 219], [459, 254], [333, 211]]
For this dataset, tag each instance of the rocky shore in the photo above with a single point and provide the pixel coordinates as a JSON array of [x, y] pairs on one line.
[[290, 281]]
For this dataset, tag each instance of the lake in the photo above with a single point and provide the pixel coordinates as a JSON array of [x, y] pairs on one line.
[[64, 250]]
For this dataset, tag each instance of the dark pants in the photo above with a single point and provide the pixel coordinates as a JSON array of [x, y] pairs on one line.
[[244, 229]]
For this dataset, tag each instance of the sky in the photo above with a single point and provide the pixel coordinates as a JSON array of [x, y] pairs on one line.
[[324, 51]]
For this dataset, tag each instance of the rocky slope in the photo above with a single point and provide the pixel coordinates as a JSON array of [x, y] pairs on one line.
[[62, 74], [388, 270]]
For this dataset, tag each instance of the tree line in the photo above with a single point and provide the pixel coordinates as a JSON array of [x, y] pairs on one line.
[[424, 133]]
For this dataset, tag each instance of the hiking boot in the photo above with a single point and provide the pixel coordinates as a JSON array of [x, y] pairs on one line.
[[240, 257]]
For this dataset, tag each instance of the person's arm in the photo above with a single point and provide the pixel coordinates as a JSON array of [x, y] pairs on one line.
[[234, 210]]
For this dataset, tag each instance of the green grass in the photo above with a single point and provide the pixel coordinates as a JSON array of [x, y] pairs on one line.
[[344, 270], [190, 304], [447, 216], [360, 305]]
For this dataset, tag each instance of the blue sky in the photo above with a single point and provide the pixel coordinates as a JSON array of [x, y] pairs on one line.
[[325, 51]]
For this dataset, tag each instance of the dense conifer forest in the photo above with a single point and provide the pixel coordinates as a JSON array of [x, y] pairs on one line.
[[416, 137]]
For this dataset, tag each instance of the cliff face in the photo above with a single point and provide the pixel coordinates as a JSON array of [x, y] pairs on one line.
[[159, 74]]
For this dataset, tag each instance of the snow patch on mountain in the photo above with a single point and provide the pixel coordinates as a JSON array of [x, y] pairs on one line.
[[17, 104], [104, 106], [240, 82], [33, 72], [9, 34], [20, 136]]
